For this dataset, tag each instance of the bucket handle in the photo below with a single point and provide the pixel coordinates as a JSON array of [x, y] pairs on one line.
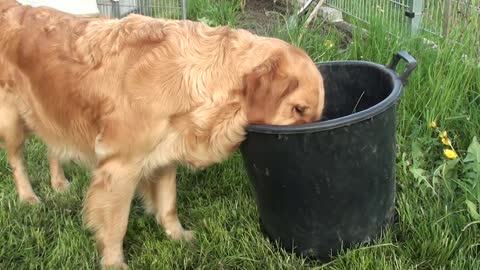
[[411, 64]]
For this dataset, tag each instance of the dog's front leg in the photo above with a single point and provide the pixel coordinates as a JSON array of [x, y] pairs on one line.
[[107, 207], [57, 176], [160, 197]]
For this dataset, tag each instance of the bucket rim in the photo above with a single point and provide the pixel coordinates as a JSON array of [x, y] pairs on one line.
[[347, 120]]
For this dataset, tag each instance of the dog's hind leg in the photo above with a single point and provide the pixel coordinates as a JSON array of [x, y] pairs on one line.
[[12, 133]]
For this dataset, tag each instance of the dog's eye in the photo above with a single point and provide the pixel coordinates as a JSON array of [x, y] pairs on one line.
[[300, 110]]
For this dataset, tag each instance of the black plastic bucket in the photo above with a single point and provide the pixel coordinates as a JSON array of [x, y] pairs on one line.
[[331, 184]]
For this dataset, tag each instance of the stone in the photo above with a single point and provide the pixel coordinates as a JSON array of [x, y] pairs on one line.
[[291, 3], [330, 14]]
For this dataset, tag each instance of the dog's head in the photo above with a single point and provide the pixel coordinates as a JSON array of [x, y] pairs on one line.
[[285, 89]]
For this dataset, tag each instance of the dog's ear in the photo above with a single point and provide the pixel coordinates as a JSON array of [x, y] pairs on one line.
[[265, 87]]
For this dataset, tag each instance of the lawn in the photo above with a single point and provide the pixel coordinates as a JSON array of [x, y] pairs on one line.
[[437, 224]]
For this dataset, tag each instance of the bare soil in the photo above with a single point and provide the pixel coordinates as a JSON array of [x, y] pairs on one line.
[[259, 16]]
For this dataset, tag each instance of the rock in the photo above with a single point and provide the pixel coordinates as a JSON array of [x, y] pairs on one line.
[[330, 14], [291, 3]]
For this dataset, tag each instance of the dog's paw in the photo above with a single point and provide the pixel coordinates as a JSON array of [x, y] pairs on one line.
[[60, 185], [112, 258], [29, 198], [182, 235], [115, 266]]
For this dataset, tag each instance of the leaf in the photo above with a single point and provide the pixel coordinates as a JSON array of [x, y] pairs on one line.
[[421, 176], [449, 169], [418, 173], [472, 162], [472, 210], [447, 173], [473, 152], [417, 154]]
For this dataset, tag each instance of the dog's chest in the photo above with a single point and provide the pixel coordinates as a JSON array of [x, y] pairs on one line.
[[197, 149]]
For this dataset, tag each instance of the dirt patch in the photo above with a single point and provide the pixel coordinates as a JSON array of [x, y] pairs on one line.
[[259, 16]]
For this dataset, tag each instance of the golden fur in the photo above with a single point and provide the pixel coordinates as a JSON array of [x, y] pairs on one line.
[[134, 97]]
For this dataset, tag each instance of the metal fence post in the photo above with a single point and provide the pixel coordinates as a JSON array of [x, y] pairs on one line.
[[415, 14], [184, 9], [446, 17], [145, 7], [116, 8]]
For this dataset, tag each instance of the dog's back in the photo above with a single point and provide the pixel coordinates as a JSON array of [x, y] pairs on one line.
[[14, 109], [82, 62]]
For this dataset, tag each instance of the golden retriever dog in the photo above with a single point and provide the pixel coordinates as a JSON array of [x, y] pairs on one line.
[[132, 98]]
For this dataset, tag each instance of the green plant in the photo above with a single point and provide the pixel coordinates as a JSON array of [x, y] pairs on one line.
[[214, 12]]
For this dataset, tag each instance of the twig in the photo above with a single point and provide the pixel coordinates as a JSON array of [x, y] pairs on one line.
[[314, 13], [358, 102], [310, 18]]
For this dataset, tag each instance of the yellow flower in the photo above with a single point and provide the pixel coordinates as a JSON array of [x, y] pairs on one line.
[[443, 134], [328, 43], [433, 125], [450, 154], [446, 141]]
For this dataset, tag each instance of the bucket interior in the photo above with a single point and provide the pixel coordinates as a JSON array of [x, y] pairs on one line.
[[353, 87]]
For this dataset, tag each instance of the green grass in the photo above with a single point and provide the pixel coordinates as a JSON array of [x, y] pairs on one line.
[[437, 200], [218, 12], [164, 8]]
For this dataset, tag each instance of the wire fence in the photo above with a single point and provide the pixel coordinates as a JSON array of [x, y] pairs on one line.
[[435, 17], [392, 12], [173, 9], [440, 16]]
